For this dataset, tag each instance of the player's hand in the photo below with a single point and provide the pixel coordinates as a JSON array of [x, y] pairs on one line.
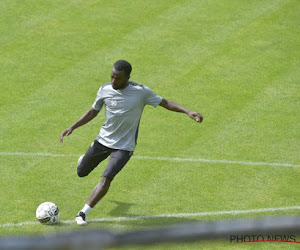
[[195, 116], [66, 132]]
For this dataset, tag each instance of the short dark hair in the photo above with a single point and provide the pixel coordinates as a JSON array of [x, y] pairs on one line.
[[123, 65]]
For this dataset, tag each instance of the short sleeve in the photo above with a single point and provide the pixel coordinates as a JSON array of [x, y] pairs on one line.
[[152, 98], [98, 103]]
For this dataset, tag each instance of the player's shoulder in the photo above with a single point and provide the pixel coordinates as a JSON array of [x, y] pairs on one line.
[[136, 85], [140, 87], [105, 86]]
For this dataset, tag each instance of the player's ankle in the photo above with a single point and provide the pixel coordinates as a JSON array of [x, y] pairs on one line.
[[86, 209]]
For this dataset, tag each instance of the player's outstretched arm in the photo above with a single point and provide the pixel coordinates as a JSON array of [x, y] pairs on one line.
[[173, 106], [88, 116]]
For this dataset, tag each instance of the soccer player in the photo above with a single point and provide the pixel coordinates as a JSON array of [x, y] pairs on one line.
[[124, 102]]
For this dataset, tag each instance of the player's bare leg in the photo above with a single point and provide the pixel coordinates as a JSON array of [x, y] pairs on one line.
[[99, 191]]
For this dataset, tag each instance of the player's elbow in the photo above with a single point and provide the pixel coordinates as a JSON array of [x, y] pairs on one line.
[[92, 113], [165, 103]]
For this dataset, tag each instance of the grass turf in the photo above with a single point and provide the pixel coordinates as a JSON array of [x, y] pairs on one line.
[[235, 62]]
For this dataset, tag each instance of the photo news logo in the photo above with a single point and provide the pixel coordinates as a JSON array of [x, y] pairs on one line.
[[263, 238]]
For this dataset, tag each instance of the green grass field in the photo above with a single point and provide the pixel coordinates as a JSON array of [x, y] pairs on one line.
[[236, 62]]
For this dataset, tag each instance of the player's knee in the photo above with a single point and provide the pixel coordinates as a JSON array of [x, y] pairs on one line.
[[79, 160], [82, 168], [81, 172]]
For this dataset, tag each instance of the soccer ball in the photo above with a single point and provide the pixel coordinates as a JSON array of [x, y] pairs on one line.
[[47, 213]]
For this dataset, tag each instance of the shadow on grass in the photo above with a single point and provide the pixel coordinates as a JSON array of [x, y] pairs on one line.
[[135, 220], [121, 209]]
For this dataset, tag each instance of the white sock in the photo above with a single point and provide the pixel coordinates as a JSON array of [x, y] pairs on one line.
[[86, 209]]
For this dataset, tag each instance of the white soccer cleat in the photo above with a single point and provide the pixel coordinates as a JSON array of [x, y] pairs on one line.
[[80, 219]]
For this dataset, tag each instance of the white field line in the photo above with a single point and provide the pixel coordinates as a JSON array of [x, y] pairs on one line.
[[35, 154], [160, 216], [217, 161], [163, 159]]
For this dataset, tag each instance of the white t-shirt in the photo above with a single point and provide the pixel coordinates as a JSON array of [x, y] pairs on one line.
[[123, 110]]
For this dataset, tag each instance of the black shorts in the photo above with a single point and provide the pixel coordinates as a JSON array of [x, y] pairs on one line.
[[97, 153]]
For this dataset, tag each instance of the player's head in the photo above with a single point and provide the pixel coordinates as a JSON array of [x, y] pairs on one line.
[[123, 65], [120, 74]]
